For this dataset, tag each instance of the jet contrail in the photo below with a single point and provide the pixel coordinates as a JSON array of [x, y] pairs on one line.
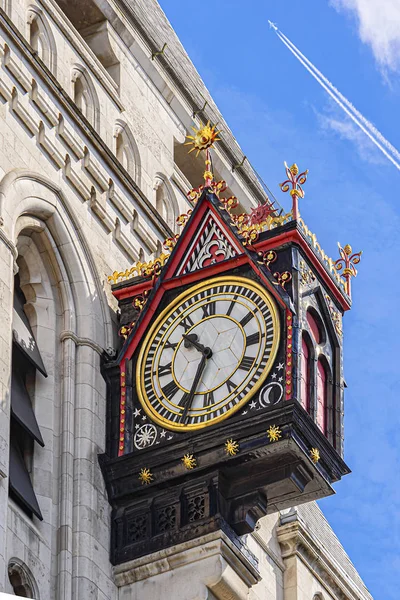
[[345, 101], [368, 128]]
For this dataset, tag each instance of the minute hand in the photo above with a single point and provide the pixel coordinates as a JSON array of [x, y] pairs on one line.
[[196, 380]]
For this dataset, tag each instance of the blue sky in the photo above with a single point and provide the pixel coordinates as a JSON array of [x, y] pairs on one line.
[[278, 112]]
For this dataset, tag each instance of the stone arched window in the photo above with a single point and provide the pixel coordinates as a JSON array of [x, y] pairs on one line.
[[69, 319], [98, 38], [166, 204], [126, 150], [317, 366], [25, 433], [41, 38], [85, 96], [307, 355], [324, 393], [21, 580]]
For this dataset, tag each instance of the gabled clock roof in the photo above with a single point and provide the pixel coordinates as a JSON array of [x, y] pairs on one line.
[[188, 262], [214, 239]]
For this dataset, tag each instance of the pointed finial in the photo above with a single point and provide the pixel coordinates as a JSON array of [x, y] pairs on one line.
[[293, 183], [346, 262], [203, 139]]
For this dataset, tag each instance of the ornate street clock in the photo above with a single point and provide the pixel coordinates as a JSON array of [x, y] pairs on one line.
[[225, 401], [207, 353]]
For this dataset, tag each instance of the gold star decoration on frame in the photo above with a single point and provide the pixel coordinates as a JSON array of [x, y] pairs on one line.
[[189, 461], [315, 455], [203, 138], [274, 433], [231, 447], [145, 476]]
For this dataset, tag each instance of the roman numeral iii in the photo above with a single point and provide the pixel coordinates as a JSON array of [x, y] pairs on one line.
[[254, 338], [246, 363]]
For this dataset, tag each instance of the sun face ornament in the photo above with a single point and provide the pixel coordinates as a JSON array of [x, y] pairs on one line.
[[189, 462], [315, 455], [203, 138], [274, 433], [231, 447], [145, 476]]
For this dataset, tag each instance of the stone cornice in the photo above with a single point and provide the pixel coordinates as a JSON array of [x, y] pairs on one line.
[[240, 576], [277, 560], [295, 540]]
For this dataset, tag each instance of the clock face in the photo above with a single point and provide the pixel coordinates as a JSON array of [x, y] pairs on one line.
[[207, 353]]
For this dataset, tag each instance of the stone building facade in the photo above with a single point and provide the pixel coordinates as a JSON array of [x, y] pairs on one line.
[[94, 111]]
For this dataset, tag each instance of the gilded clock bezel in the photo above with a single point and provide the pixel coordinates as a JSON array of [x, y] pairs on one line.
[[151, 334]]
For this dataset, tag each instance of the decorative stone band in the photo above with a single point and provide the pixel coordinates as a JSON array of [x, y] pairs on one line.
[[60, 139], [79, 341]]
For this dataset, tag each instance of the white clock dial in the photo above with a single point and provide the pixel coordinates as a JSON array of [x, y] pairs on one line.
[[208, 353]]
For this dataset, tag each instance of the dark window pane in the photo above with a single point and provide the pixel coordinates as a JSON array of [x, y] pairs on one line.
[[22, 332], [20, 482], [21, 406]]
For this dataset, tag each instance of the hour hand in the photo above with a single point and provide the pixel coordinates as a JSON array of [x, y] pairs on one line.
[[191, 339]]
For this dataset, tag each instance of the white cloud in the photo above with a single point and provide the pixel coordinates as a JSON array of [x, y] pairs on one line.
[[379, 26], [345, 129]]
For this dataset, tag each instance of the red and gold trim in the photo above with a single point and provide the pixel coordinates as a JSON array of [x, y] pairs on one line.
[[289, 356], [122, 410]]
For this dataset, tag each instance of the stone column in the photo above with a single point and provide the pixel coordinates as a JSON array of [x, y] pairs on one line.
[[8, 255], [64, 541], [91, 569]]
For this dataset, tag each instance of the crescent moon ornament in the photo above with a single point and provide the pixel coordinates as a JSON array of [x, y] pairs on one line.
[[271, 394]]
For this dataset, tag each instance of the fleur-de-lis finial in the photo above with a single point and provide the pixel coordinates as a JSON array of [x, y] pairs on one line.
[[293, 183], [346, 262]]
